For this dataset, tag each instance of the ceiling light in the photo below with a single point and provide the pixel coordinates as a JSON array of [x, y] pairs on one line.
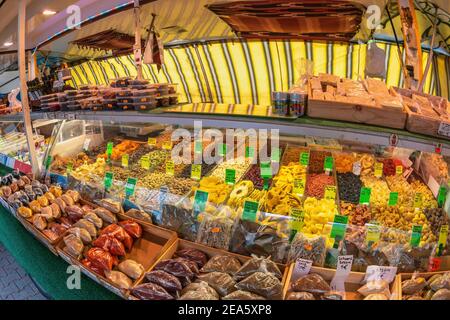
[[8, 44], [49, 12]]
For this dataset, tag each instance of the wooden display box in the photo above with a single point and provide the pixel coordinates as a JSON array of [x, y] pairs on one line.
[[424, 124], [181, 244], [354, 281], [147, 250], [405, 276], [344, 111]]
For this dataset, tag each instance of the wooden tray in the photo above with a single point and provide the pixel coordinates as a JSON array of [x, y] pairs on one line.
[[146, 251], [353, 283], [351, 112], [181, 244], [405, 276]]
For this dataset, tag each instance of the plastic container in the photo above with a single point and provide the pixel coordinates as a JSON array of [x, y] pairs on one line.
[[144, 93], [280, 103], [297, 103], [145, 106]]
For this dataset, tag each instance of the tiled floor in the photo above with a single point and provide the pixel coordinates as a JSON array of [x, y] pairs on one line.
[[15, 284]]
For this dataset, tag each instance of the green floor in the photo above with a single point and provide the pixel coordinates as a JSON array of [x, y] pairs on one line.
[[48, 270]]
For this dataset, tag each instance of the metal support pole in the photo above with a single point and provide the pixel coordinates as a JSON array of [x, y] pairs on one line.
[[23, 86], [138, 43]]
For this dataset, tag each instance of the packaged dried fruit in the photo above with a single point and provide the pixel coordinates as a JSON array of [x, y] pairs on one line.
[[223, 283], [165, 280]]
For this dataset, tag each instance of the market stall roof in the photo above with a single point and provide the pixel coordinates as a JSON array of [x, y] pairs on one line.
[[179, 22]]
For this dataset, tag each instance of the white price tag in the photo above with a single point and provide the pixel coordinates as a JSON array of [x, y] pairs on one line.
[[70, 116], [87, 142], [301, 268], [444, 129], [357, 168], [374, 273], [344, 266]]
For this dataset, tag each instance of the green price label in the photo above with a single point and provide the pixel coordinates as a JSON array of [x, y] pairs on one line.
[[373, 233], [299, 186], [198, 147], [108, 180], [330, 192], [266, 170], [399, 170], [328, 164], [339, 227], [222, 149], [109, 149], [276, 155], [48, 162], [200, 200], [416, 235], [418, 200], [249, 152], [145, 162], [266, 184], [393, 199], [196, 171], [441, 196], [170, 168], [130, 187], [304, 159], [230, 176], [443, 234], [364, 196], [250, 210], [298, 218], [125, 160]]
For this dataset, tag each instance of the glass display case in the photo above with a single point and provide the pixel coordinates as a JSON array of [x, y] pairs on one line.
[[14, 147], [259, 191]]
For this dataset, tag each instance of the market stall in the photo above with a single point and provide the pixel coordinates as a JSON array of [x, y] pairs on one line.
[[236, 168]]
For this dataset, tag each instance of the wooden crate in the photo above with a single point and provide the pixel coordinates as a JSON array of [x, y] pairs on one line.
[[423, 124], [405, 276], [373, 115], [354, 281], [147, 250], [181, 244]]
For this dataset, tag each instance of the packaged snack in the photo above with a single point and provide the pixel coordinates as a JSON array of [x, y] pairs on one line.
[[199, 290], [132, 228], [225, 264], [310, 248], [131, 268], [176, 268], [243, 295], [39, 222], [375, 287], [258, 265], [93, 218], [221, 282], [151, 291], [101, 259], [74, 245], [165, 280], [119, 279], [139, 215], [81, 233], [87, 225], [263, 284], [194, 255], [300, 296], [312, 283], [106, 215], [215, 232]]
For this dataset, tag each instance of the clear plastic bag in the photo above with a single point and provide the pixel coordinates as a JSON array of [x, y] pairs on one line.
[[167, 281], [215, 232], [199, 290], [268, 238], [312, 283], [258, 265], [263, 284], [225, 264], [181, 221], [223, 283], [309, 248], [243, 295]]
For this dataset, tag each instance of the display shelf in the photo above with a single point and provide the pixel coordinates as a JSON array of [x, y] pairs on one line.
[[302, 126]]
